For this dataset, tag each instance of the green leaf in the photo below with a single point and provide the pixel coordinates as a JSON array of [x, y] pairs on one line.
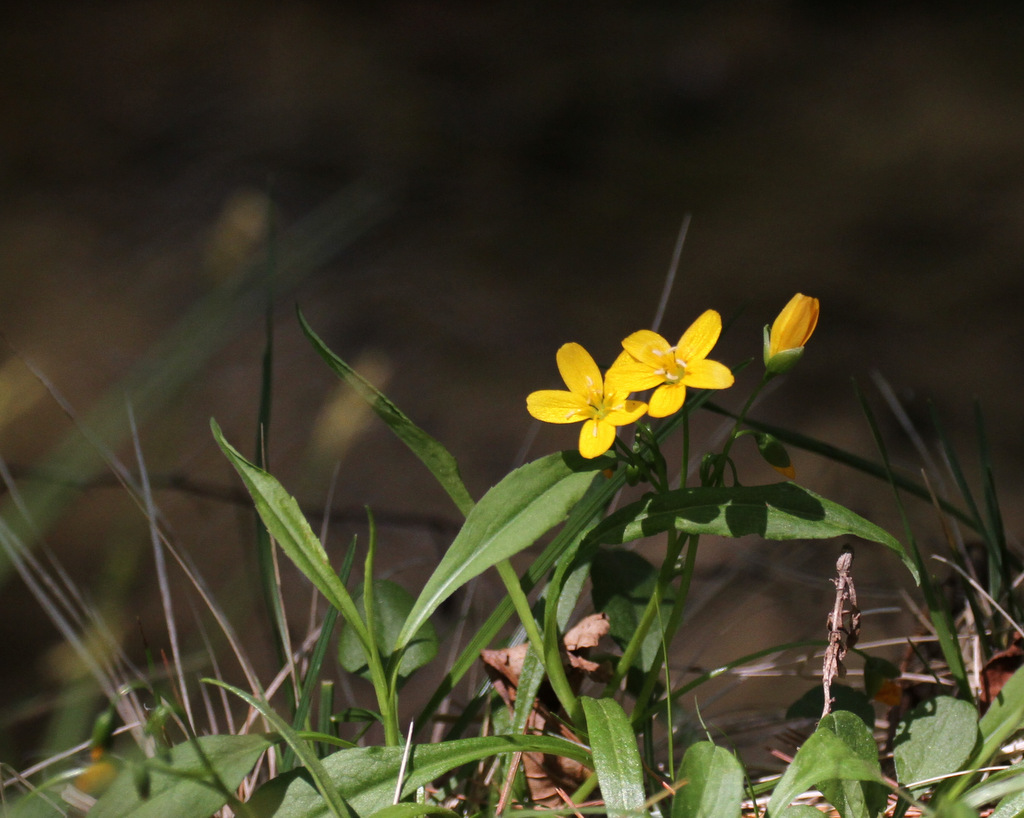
[[366, 776], [854, 799], [434, 456], [1006, 784], [823, 757], [192, 785], [1003, 718], [286, 524], [391, 606], [935, 739], [713, 784], [623, 583], [616, 758], [780, 511], [509, 518]]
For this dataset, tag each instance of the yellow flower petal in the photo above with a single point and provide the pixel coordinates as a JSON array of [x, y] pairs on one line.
[[596, 437], [646, 347], [667, 400], [631, 411], [698, 341], [708, 375], [578, 370], [628, 374], [794, 325], [556, 406]]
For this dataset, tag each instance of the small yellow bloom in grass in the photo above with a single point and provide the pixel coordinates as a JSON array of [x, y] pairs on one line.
[[599, 402], [784, 343], [653, 361]]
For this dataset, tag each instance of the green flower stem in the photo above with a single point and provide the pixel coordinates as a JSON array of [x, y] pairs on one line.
[[550, 654], [675, 619], [384, 684], [675, 545], [740, 420]]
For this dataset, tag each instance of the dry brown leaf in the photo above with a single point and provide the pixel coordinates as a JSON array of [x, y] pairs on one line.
[[546, 774]]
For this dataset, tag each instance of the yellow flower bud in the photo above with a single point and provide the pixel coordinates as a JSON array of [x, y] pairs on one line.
[[784, 343]]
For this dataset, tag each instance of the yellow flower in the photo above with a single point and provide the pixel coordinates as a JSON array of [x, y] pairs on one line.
[[784, 343], [654, 362], [599, 402]]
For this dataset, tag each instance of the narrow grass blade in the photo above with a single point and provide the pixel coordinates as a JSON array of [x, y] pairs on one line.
[[434, 455], [616, 758], [938, 610], [856, 462]]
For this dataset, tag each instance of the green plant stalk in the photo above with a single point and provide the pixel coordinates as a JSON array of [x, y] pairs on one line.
[[309, 683], [675, 619], [550, 655], [741, 418], [387, 695], [665, 574]]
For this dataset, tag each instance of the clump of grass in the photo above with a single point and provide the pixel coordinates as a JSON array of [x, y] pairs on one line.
[[583, 710]]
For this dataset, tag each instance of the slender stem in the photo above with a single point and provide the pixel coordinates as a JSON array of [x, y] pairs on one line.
[[552, 658], [675, 545], [740, 419], [675, 619]]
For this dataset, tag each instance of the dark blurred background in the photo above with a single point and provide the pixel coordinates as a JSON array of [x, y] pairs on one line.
[[460, 188]]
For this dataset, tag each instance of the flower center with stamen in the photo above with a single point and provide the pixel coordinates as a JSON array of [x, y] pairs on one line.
[[672, 368]]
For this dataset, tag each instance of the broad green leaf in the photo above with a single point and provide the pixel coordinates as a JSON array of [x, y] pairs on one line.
[[780, 511], [623, 583], [616, 758], [936, 738], [434, 456], [712, 783], [191, 785], [366, 776], [509, 518], [286, 524], [823, 757], [1004, 717], [391, 604], [854, 799]]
